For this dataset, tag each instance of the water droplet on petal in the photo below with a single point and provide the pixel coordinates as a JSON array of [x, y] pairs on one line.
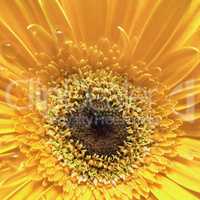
[[59, 32]]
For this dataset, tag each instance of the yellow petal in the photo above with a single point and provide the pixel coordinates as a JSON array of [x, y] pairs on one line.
[[179, 65], [170, 190], [186, 94], [43, 39], [191, 129], [188, 148], [56, 17], [52, 193], [160, 28], [185, 176]]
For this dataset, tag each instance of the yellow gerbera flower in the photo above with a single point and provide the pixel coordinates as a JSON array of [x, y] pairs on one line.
[[99, 99]]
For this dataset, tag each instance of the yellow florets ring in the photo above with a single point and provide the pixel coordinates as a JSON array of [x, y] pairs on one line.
[[99, 125]]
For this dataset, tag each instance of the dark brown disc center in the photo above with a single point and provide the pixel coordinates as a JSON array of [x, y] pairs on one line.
[[100, 131]]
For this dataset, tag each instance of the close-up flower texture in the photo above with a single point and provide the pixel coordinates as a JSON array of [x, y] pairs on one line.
[[100, 99]]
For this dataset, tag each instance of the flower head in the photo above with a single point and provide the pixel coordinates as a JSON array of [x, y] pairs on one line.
[[99, 99]]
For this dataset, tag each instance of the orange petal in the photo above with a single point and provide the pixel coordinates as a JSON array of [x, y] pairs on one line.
[[160, 28], [178, 65]]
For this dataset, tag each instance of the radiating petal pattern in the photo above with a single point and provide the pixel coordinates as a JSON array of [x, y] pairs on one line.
[[140, 57]]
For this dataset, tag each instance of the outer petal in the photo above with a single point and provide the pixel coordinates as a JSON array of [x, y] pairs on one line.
[[160, 29], [178, 65], [185, 175], [170, 190]]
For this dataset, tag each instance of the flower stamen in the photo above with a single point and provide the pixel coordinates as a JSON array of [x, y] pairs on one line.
[[99, 124]]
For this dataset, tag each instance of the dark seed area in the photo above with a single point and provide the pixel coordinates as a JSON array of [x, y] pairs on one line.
[[100, 131]]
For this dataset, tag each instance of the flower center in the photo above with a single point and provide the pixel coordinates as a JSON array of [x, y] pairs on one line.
[[99, 125], [101, 131]]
